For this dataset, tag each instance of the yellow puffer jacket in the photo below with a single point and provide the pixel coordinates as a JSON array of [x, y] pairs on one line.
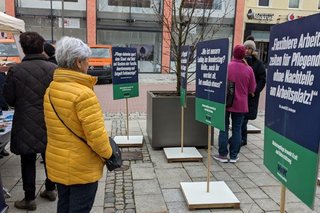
[[68, 159]]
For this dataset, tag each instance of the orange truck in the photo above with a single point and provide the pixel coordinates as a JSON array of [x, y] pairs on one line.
[[8, 51], [100, 63]]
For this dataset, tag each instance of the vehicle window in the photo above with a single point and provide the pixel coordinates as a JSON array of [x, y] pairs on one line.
[[100, 53], [8, 50]]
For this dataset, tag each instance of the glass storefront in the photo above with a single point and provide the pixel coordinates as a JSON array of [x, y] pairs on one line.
[[148, 45]]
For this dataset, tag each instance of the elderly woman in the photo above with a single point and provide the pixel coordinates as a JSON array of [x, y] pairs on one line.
[[73, 114]]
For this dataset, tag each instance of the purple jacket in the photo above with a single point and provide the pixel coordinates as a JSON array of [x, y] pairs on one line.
[[245, 83]]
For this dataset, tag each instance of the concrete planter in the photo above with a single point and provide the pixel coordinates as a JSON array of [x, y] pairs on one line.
[[164, 121]]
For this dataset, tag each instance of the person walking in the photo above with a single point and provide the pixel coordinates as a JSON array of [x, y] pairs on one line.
[[242, 76], [260, 77], [24, 90], [72, 112]]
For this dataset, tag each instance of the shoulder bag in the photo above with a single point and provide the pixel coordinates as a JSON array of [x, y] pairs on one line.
[[230, 93]]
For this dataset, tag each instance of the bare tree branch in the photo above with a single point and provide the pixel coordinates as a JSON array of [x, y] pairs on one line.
[[191, 22]]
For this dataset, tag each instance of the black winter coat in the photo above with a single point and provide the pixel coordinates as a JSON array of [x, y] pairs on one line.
[[260, 76], [24, 89]]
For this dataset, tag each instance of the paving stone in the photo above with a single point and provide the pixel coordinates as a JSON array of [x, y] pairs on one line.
[[263, 179], [150, 204], [299, 208], [243, 197], [145, 187], [223, 176], [172, 195], [247, 167], [235, 173], [196, 171], [177, 175], [245, 183], [274, 193], [267, 204], [251, 208], [182, 207], [234, 186], [256, 193], [109, 210], [143, 173]]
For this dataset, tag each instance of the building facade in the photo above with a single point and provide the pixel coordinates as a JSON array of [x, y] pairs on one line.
[[261, 15], [131, 23]]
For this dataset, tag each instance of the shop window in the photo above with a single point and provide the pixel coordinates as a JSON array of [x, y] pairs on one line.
[[294, 3], [130, 3], [200, 4], [217, 4], [61, 0], [264, 3]]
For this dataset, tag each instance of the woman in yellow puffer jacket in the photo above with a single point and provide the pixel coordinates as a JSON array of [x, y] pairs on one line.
[[71, 111]]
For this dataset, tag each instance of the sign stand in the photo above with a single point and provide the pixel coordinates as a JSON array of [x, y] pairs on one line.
[[129, 141], [183, 154], [125, 85], [220, 195], [187, 154], [283, 199]]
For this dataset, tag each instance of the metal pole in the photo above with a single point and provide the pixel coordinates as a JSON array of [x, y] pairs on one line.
[[127, 118], [51, 12], [209, 156], [182, 127], [62, 17], [283, 199]]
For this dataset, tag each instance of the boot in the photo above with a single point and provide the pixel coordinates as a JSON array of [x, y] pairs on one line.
[[26, 204], [4, 153], [49, 195]]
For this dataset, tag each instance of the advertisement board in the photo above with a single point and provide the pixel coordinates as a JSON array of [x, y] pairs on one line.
[[211, 75], [185, 54], [292, 127], [124, 73]]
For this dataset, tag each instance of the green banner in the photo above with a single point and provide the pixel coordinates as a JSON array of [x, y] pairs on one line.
[[211, 113], [183, 97], [291, 164], [129, 90]]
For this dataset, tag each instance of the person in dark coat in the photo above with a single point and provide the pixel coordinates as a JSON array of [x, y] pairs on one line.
[[24, 90], [3, 107], [260, 76], [50, 51]]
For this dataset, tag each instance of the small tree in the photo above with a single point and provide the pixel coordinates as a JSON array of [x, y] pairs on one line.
[[191, 21]]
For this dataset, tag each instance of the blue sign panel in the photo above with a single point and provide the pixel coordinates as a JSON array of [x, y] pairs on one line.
[[211, 75], [292, 127], [211, 69], [293, 81], [124, 65]]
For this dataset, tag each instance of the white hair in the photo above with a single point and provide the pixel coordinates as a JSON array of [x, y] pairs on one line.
[[69, 49]]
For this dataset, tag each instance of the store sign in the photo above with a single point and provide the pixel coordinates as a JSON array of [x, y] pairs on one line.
[[70, 23], [260, 16], [292, 16]]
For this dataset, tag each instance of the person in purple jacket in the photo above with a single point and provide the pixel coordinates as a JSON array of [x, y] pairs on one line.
[[242, 75]]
